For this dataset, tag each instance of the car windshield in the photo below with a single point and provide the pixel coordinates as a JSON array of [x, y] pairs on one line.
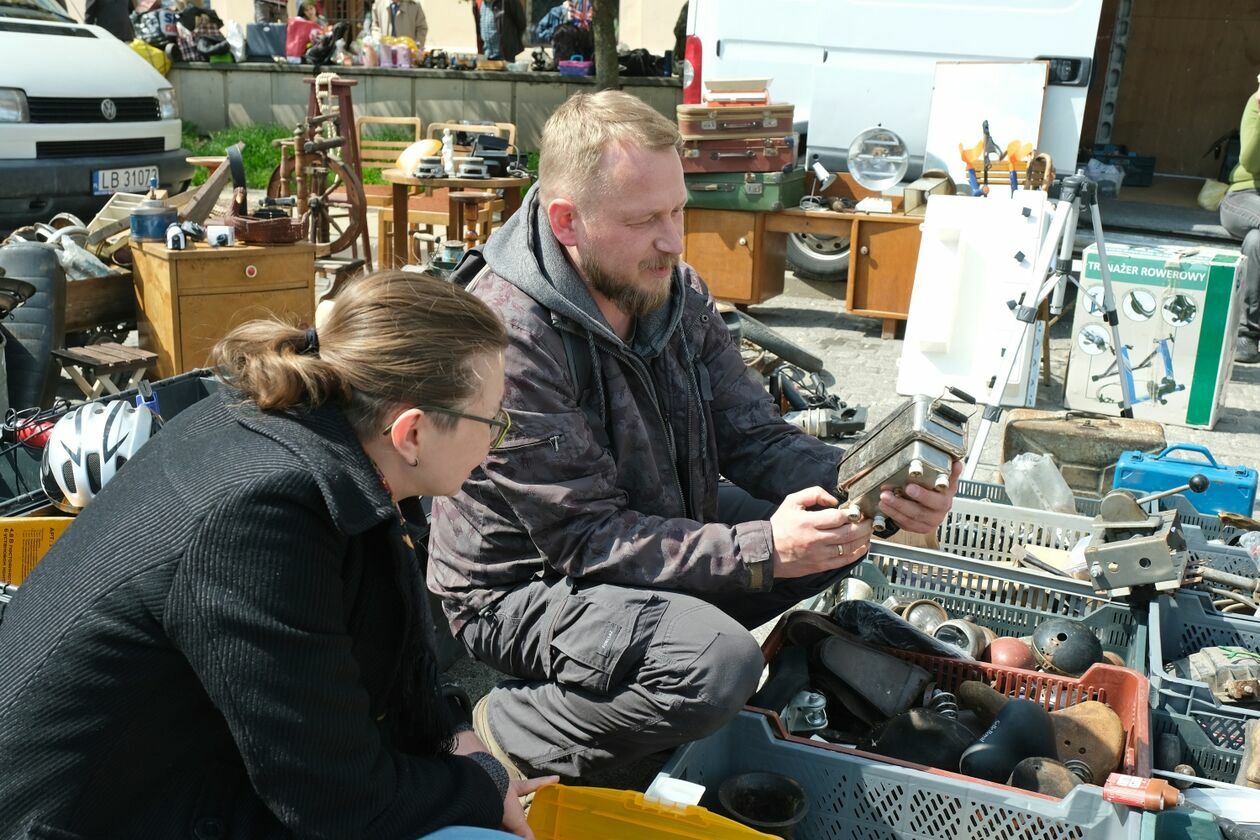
[[34, 10]]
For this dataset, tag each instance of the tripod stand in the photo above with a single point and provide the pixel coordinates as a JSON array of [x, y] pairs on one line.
[[1058, 244]]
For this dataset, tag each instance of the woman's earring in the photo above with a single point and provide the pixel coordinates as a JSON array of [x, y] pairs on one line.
[[415, 462]]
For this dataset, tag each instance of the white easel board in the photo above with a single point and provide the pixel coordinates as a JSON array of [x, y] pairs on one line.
[[1011, 95], [959, 322]]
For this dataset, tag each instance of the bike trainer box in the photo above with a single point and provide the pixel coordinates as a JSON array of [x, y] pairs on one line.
[[1178, 310]]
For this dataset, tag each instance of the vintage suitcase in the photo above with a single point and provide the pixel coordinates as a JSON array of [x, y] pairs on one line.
[[265, 41], [767, 154], [746, 190], [732, 122], [1230, 489], [1085, 446]]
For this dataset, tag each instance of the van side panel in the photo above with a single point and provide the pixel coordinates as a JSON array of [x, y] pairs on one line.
[[852, 64]]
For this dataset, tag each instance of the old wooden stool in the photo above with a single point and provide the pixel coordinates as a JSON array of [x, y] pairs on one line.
[[98, 368]]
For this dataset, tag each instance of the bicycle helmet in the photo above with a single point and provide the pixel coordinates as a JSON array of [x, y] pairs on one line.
[[88, 446]]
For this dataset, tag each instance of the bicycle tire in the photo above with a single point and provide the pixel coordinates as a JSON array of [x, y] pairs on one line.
[[758, 333]]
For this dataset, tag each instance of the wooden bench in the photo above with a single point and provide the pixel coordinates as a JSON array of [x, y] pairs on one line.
[[94, 367]]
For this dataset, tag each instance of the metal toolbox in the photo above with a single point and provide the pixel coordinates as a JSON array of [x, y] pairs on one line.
[[917, 443], [766, 154], [730, 122], [745, 190], [1230, 489]]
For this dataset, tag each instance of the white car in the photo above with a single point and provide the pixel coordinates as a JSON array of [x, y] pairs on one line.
[[81, 116]]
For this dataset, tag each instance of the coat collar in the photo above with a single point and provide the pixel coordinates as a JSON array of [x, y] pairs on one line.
[[324, 441]]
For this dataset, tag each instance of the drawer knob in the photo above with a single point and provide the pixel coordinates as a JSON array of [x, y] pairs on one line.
[[864, 250], [743, 240], [251, 271]]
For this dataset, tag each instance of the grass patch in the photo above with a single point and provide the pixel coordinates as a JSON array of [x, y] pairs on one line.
[[260, 157]]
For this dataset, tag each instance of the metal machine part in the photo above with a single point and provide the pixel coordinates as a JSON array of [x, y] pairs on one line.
[[806, 713], [968, 637], [917, 443], [1065, 646], [1130, 547]]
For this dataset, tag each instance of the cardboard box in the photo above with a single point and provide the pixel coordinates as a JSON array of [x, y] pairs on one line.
[[1178, 312], [24, 540]]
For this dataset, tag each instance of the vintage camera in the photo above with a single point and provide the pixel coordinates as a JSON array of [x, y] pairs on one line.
[[176, 239], [220, 236]]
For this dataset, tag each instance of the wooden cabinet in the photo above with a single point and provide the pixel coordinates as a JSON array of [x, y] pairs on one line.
[[187, 300], [884, 253], [735, 255], [883, 257]]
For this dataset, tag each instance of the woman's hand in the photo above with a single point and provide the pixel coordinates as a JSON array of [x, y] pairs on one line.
[[513, 813]]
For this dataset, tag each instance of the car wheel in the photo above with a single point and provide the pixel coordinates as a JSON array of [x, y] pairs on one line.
[[816, 257]]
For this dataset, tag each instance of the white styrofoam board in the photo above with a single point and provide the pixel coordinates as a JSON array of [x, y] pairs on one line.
[[959, 322]]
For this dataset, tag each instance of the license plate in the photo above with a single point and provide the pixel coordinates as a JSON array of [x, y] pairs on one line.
[[134, 179]]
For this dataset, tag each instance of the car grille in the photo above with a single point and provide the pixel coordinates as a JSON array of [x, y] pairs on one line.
[[59, 109], [98, 148]]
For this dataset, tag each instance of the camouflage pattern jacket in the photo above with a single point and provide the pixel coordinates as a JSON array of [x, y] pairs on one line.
[[614, 479]]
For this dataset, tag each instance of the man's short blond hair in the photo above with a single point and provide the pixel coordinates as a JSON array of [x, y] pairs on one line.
[[576, 135]]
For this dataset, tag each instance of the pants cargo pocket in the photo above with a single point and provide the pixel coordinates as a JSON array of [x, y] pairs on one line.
[[595, 644]]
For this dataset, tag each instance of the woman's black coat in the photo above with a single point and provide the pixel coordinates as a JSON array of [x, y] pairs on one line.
[[215, 649]]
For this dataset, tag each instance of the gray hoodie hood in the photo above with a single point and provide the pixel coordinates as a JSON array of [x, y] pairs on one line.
[[526, 253]]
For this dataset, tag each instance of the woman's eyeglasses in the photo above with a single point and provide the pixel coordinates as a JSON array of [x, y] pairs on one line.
[[501, 421]]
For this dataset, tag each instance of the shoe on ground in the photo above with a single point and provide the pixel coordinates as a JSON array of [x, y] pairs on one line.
[[481, 726], [1246, 350]]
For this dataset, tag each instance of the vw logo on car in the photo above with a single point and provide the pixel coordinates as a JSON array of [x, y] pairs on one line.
[[108, 109]]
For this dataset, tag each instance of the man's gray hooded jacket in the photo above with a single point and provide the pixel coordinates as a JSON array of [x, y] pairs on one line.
[[618, 483]]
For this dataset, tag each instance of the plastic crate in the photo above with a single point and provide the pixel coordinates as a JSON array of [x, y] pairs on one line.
[[1010, 601], [1179, 825], [986, 491], [989, 531], [561, 812], [1211, 740], [1181, 624], [857, 796], [19, 466]]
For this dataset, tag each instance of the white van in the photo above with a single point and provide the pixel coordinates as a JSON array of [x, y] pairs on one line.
[[81, 116], [848, 65]]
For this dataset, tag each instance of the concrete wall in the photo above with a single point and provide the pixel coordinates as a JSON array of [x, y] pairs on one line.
[[252, 94], [644, 23]]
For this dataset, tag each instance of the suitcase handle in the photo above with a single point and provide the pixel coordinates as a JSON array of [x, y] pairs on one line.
[[1189, 447], [712, 187], [742, 124], [721, 155]]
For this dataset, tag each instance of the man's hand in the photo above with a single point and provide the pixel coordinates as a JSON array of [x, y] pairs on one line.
[[921, 510], [810, 541], [513, 814]]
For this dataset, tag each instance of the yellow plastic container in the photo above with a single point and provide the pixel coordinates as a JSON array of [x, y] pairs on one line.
[[561, 812]]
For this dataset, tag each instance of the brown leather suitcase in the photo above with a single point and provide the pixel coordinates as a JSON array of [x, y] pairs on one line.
[[1085, 446], [733, 122], [766, 154]]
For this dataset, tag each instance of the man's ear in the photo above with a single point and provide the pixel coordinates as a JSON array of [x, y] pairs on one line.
[[562, 213]]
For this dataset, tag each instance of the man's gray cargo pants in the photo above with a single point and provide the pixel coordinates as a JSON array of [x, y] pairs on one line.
[[608, 674]]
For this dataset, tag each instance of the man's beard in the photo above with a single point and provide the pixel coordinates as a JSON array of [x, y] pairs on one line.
[[629, 296]]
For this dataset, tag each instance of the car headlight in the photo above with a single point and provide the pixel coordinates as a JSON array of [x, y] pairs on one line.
[[168, 109], [13, 106]]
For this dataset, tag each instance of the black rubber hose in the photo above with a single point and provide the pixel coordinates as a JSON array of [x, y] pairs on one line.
[[761, 335]]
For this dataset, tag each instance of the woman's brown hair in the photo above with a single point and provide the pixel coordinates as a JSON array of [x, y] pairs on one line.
[[393, 338]]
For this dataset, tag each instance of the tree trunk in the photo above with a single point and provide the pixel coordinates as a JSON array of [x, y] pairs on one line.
[[604, 25]]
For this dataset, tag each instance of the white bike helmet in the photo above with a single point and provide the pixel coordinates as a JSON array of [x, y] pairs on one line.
[[88, 446]]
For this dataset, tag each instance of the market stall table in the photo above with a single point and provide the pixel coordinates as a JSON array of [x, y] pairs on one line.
[[403, 184]]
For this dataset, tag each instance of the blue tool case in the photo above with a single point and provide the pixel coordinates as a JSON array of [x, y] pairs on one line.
[[1230, 489]]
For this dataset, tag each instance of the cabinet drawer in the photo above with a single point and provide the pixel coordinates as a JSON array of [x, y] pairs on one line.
[[259, 271], [206, 318]]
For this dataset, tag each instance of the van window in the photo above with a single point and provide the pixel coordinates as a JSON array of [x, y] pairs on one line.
[[34, 10]]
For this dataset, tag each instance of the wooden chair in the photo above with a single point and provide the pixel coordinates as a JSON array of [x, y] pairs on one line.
[[377, 153], [105, 368]]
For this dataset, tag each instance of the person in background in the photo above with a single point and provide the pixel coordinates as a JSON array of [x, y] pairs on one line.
[[400, 19], [233, 639], [302, 29], [114, 16], [270, 11], [499, 25], [1240, 216], [575, 12]]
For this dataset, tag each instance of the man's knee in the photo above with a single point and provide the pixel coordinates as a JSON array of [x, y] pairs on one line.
[[1251, 244], [707, 668]]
